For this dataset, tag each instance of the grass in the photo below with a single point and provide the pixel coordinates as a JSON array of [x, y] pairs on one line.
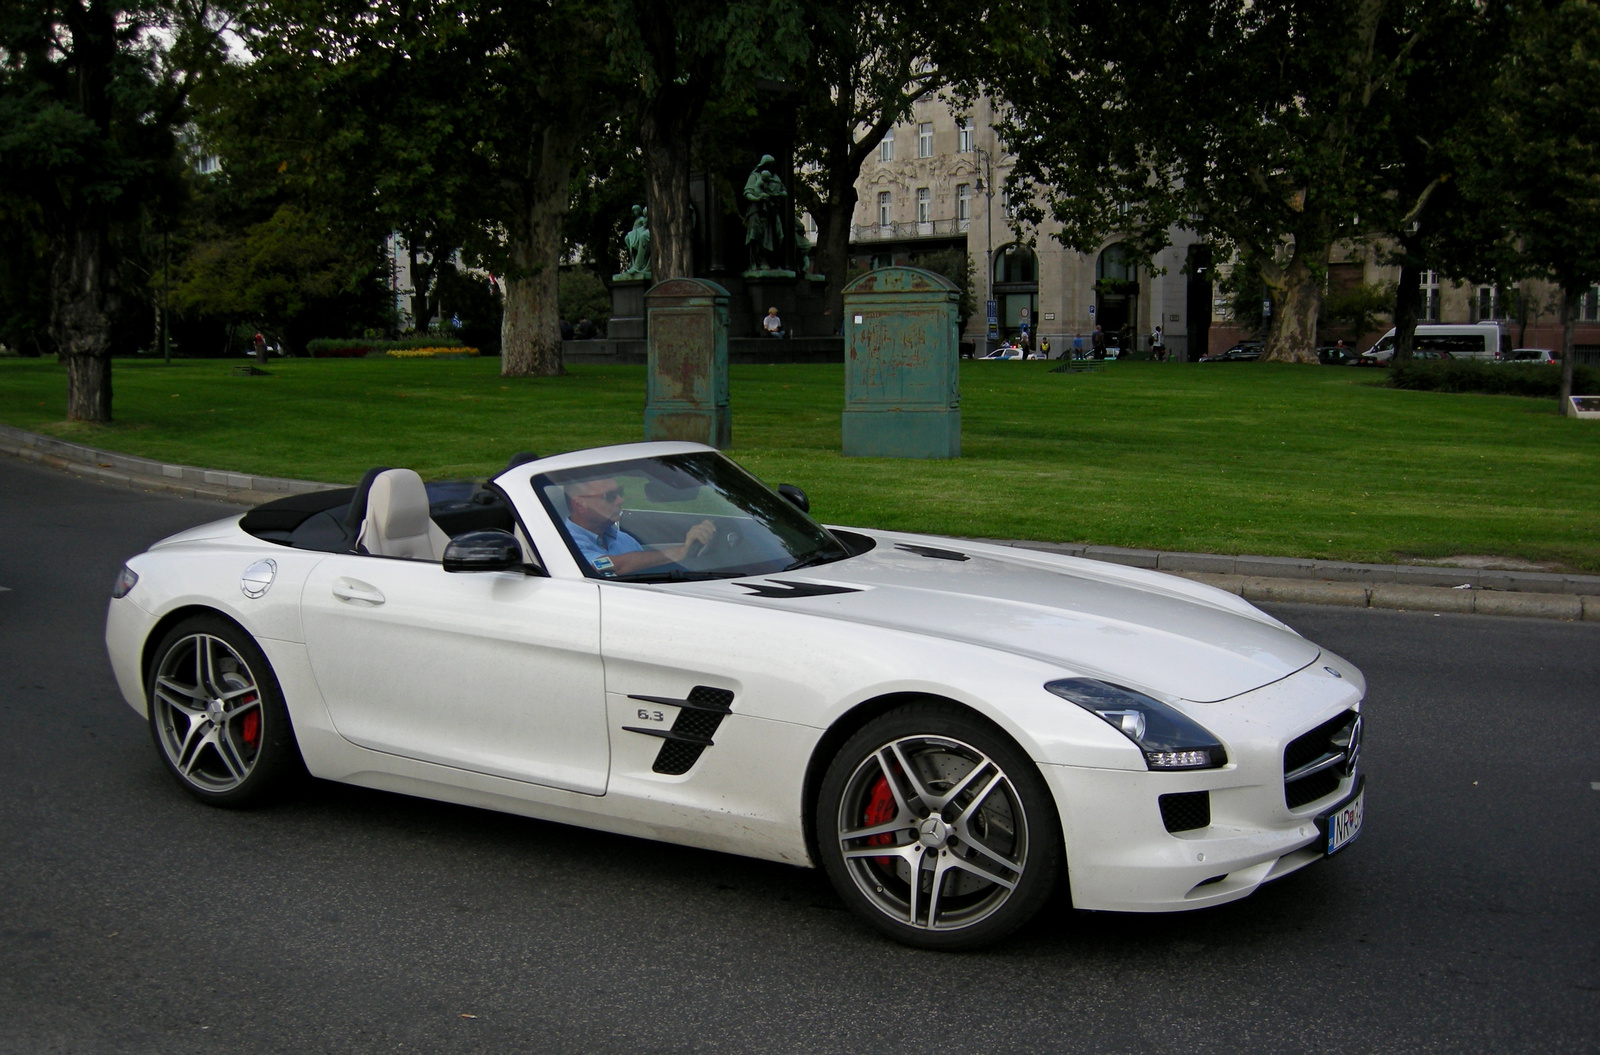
[[1238, 458]]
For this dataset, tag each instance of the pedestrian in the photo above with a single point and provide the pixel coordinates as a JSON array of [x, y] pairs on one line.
[[772, 324], [1158, 346], [1044, 346], [1077, 346], [259, 344], [1098, 341], [585, 330]]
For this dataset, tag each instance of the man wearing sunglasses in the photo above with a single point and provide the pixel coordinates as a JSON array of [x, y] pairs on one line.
[[593, 508]]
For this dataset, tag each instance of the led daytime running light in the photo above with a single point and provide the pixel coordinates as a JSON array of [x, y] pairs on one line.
[[1166, 737], [127, 579]]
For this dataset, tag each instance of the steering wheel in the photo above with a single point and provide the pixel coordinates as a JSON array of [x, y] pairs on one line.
[[723, 540]]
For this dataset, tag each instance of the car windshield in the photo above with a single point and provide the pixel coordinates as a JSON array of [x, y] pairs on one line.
[[680, 517]]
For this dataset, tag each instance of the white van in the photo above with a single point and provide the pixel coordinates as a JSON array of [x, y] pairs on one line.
[[1477, 340]]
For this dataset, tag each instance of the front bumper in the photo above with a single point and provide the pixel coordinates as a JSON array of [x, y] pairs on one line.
[[1120, 856]]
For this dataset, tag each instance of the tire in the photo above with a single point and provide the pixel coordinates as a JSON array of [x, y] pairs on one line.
[[217, 715], [953, 801]]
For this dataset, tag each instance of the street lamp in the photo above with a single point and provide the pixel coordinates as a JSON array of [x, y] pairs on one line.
[[986, 185]]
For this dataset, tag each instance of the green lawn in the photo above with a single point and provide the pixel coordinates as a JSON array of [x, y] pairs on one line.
[[1232, 458]]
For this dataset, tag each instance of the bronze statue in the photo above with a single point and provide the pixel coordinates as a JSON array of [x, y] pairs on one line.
[[638, 243], [763, 218]]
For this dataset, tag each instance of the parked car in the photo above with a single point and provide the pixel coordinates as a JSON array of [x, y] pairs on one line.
[[1531, 355], [1336, 355], [645, 639], [1243, 352]]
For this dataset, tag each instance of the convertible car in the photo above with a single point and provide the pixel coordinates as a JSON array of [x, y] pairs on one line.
[[645, 639]]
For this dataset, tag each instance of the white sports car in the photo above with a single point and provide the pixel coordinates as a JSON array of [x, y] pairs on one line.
[[645, 639]]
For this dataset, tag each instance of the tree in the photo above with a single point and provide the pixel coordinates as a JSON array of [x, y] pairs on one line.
[[91, 94], [456, 122], [681, 54], [1253, 124], [1547, 116], [1358, 307]]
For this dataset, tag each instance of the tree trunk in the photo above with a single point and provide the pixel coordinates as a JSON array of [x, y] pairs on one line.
[[665, 131], [530, 328], [1570, 299], [1297, 290], [833, 248], [1407, 305], [80, 318]]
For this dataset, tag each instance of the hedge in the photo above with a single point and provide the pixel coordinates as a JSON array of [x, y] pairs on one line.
[[1506, 379], [356, 347]]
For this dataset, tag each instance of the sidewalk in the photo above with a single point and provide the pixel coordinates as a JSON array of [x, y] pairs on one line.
[[1431, 588]]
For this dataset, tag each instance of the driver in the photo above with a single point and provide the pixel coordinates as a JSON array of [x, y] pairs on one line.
[[593, 509]]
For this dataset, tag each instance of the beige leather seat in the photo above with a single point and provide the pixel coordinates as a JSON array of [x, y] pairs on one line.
[[397, 522]]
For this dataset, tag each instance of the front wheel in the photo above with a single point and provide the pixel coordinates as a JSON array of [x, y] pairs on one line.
[[938, 829], [217, 715]]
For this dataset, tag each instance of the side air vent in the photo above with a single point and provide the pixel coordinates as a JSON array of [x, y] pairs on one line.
[[699, 716], [1186, 811]]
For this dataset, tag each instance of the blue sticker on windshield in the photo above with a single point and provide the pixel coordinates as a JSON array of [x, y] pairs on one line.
[[602, 563]]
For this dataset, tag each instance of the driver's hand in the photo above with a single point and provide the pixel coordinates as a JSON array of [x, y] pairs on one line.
[[699, 537]]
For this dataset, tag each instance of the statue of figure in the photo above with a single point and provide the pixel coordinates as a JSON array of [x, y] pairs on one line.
[[638, 243], [763, 218], [802, 246]]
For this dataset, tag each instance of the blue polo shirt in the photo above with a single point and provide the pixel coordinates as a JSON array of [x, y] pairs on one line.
[[597, 548]]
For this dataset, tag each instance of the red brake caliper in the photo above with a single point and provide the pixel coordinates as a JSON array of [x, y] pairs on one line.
[[880, 810], [250, 725]]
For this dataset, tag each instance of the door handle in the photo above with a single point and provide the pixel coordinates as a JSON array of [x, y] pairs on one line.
[[357, 592]]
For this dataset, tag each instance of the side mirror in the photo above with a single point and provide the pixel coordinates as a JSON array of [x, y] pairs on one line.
[[795, 496], [492, 550]]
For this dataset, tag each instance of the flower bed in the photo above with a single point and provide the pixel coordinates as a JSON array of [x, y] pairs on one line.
[[358, 347], [457, 352]]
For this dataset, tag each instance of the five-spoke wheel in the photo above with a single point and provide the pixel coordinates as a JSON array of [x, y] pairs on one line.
[[216, 714], [937, 829]]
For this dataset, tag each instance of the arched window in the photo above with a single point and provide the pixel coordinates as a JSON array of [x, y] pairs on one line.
[[1117, 264], [1015, 263]]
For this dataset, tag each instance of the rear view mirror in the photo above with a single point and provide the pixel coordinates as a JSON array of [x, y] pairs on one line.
[[490, 550]]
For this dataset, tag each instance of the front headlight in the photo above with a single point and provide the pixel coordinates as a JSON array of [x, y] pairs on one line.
[[1169, 740]]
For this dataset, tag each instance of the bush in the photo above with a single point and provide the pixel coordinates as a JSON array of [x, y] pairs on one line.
[[1506, 379], [357, 347]]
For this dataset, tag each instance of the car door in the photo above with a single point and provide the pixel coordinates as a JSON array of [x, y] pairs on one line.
[[493, 672]]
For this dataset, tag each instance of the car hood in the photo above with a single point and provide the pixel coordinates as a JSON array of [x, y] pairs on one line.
[[1142, 629]]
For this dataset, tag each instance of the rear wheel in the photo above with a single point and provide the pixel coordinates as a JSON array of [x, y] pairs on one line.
[[938, 829], [217, 715]]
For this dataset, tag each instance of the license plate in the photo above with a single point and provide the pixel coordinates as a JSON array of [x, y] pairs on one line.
[[1344, 823]]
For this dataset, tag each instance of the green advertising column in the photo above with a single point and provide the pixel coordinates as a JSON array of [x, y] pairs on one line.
[[686, 395], [902, 392]]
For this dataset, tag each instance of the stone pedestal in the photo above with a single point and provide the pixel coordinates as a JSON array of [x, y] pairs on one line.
[[627, 309], [686, 393], [901, 366], [773, 290]]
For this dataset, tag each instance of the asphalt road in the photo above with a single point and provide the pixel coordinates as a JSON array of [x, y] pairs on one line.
[[1465, 919]]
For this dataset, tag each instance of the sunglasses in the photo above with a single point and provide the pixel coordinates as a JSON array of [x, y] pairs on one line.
[[613, 495]]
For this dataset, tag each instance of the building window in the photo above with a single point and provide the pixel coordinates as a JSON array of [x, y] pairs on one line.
[[886, 146], [1589, 306], [885, 206], [925, 139], [964, 134], [924, 205], [1491, 304], [882, 260], [964, 203], [1430, 296]]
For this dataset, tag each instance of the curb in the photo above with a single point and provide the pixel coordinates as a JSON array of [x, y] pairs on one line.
[[143, 474], [1291, 580], [1405, 597]]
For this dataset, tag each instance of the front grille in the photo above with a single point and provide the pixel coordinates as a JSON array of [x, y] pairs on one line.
[[1186, 811], [1330, 743]]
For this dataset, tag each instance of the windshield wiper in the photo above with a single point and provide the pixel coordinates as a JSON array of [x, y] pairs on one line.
[[814, 560], [678, 576]]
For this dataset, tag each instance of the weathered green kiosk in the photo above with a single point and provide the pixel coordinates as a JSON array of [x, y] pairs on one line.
[[902, 392], [686, 394]]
